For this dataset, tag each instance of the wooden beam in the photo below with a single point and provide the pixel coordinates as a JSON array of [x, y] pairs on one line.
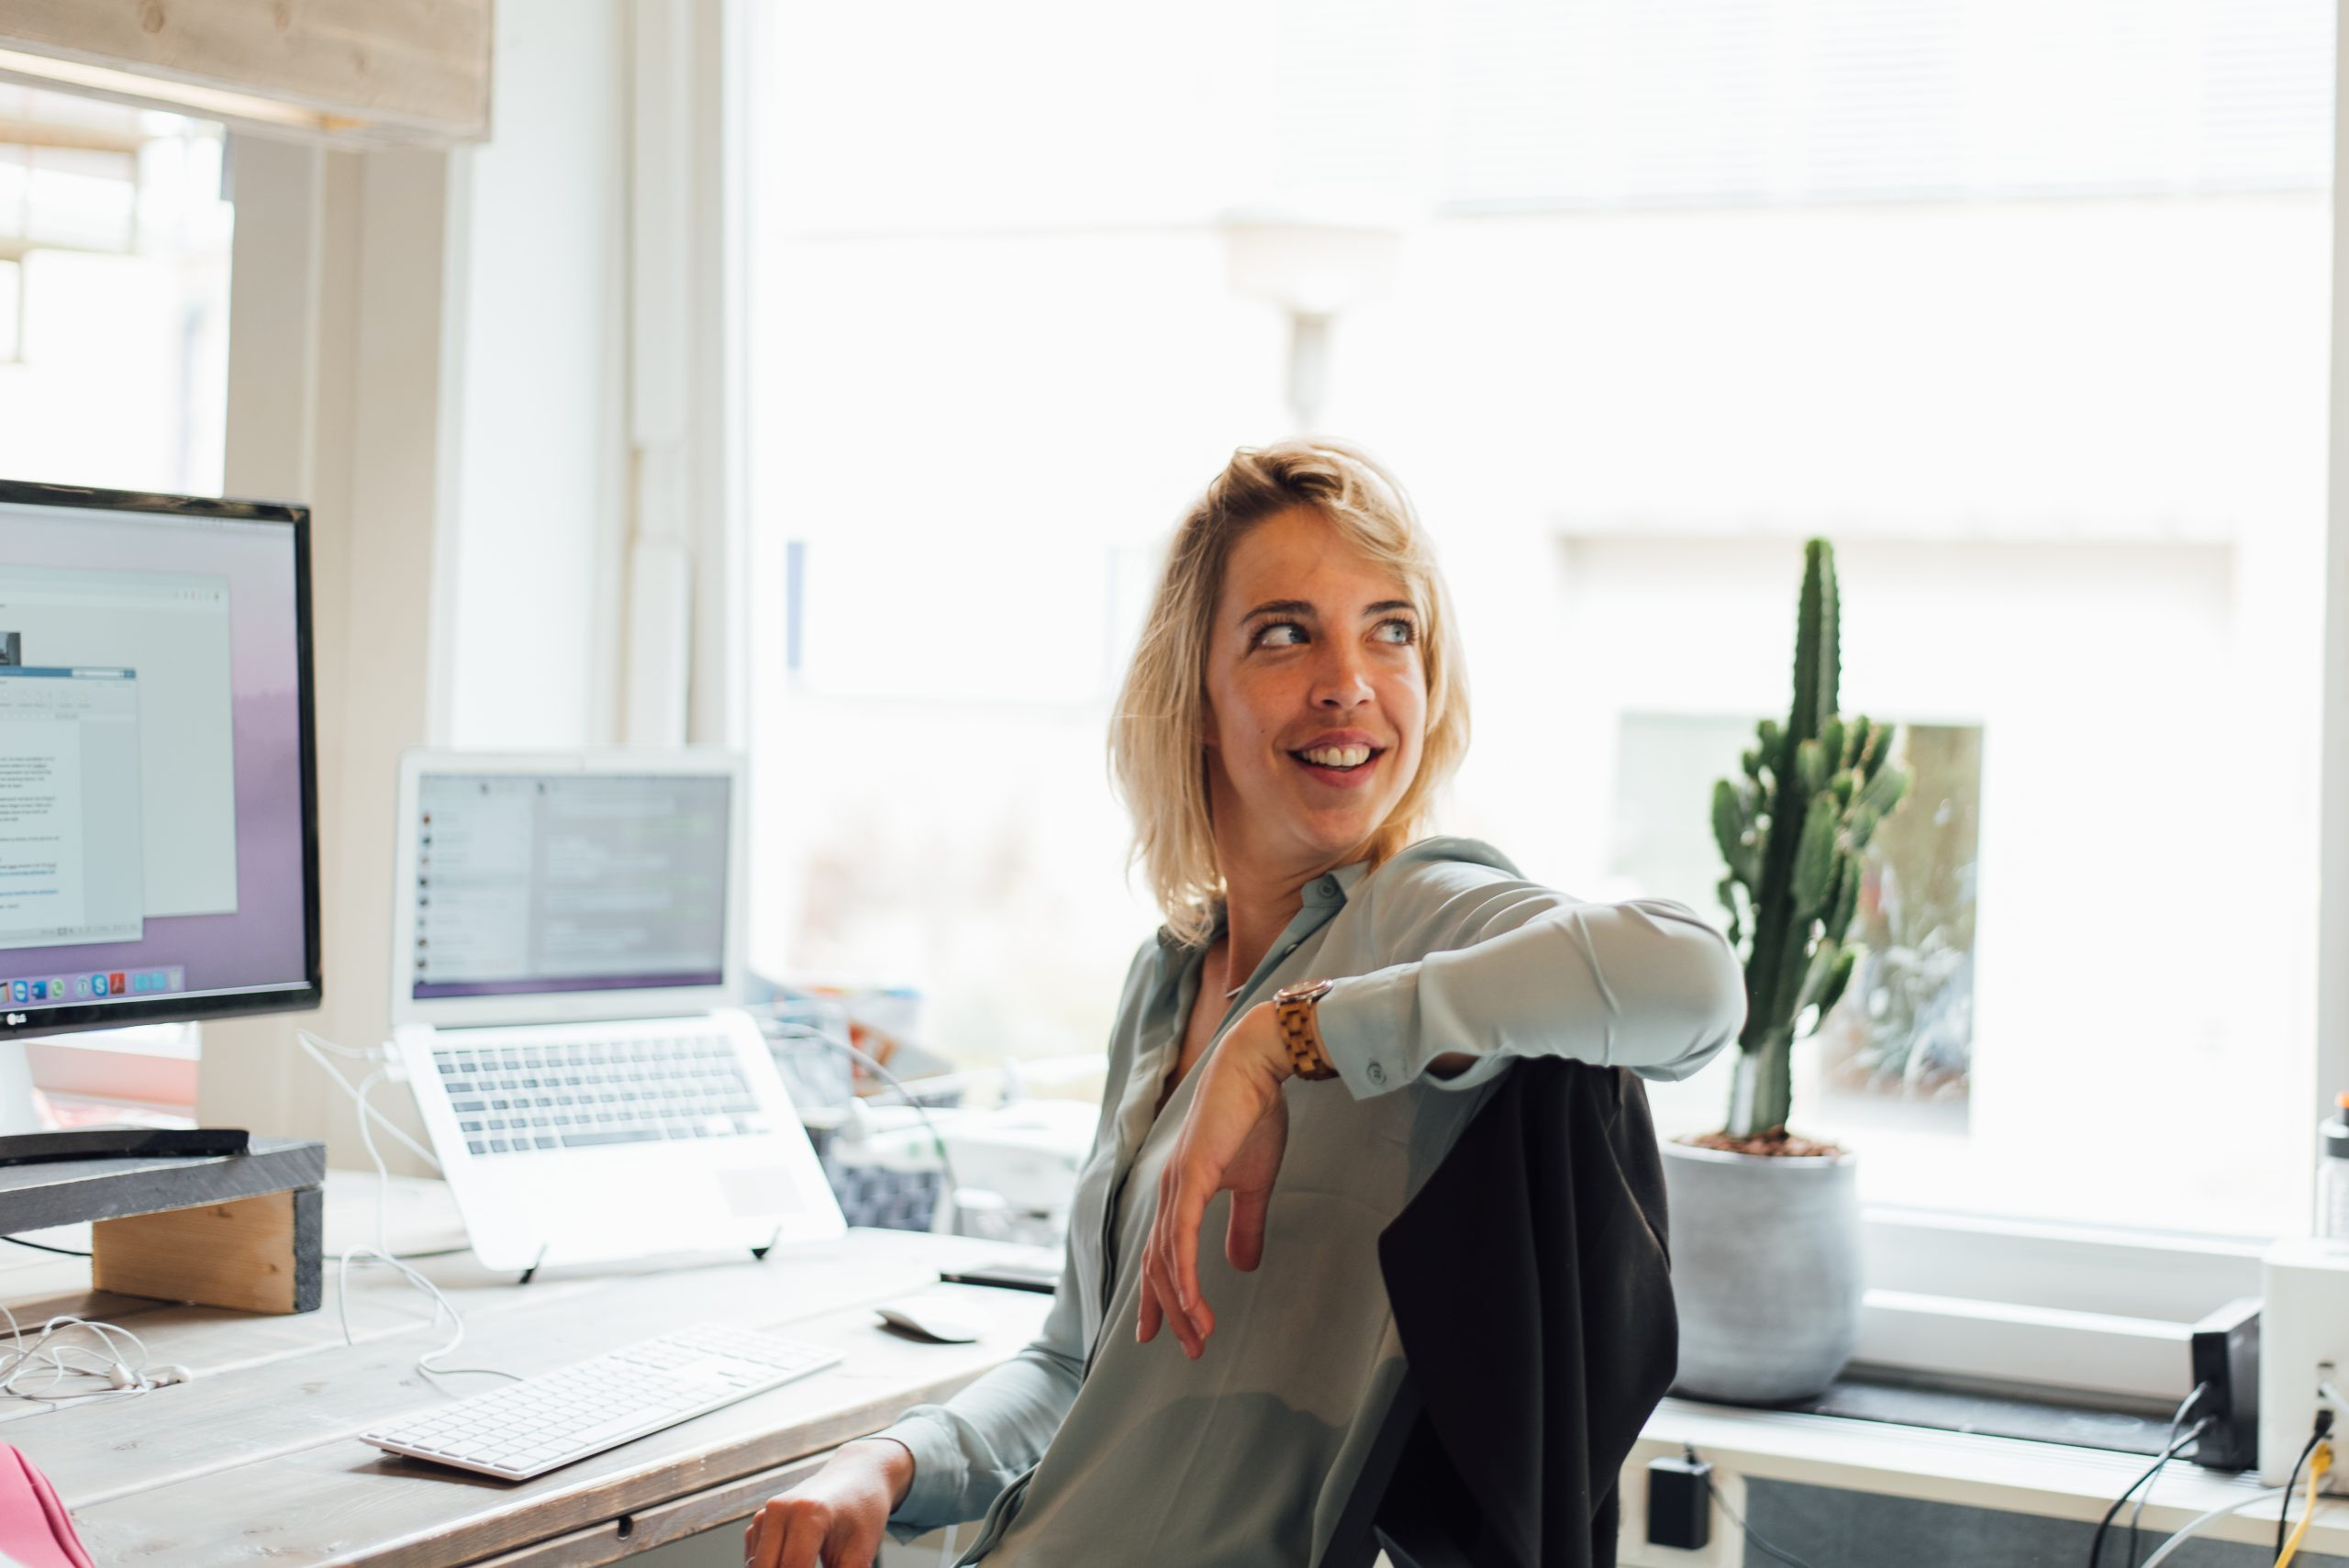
[[257, 1254], [359, 72], [74, 138]]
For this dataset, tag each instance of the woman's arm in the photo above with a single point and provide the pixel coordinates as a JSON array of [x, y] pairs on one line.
[[1511, 968], [980, 1440], [983, 1438], [939, 1464], [1503, 968]]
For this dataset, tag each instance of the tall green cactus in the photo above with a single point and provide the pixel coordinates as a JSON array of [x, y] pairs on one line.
[[1793, 829]]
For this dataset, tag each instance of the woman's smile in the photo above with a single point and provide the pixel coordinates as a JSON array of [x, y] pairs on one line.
[[1343, 759]]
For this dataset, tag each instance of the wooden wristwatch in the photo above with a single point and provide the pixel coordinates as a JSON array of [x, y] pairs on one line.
[[1293, 1007]]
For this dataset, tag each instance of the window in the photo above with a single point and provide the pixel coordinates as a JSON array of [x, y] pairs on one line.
[[12, 312], [2021, 306], [2034, 675], [114, 225], [114, 294]]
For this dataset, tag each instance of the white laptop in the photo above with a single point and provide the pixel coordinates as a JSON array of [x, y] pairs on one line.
[[566, 958]]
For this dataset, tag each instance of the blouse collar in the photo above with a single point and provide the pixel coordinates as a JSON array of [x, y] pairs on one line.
[[1331, 887]]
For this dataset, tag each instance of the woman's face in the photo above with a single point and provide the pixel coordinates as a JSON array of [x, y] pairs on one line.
[[1317, 699]]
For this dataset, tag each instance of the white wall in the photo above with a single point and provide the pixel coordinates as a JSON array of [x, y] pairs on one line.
[[336, 365]]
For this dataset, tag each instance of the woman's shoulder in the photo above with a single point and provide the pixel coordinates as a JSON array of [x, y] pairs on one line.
[[1439, 893], [1442, 863]]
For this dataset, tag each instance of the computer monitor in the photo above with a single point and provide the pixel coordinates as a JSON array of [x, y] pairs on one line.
[[158, 844]]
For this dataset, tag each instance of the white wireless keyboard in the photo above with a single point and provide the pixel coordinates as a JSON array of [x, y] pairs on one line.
[[529, 1427]]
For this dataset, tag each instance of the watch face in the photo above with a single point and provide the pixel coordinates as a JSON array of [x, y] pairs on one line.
[[1303, 991]]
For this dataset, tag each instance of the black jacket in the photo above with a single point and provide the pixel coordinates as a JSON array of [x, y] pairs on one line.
[[1532, 1285]]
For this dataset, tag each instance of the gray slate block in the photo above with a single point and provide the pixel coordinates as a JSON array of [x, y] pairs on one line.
[[70, 1192]]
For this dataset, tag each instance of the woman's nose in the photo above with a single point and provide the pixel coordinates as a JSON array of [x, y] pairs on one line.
[[1341, 681]]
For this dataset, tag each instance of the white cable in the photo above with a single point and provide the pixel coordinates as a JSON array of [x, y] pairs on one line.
[[945, 1160], [312, 1043], [2170, 1445], [946, 1553], [381, 1251], [319, 1042], [60, 1368], [18, 1356], [2174, 1542]]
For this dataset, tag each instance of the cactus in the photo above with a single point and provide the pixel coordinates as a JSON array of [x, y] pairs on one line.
[[1793, 828]]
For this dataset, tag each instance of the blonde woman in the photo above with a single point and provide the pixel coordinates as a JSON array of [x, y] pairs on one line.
[[1331, 998]]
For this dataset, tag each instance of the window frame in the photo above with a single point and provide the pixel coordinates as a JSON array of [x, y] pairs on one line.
[[2331, 1053], [2089, 1310]]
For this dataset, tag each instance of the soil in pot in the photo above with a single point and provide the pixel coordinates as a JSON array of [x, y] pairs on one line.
[[1777, 1141]]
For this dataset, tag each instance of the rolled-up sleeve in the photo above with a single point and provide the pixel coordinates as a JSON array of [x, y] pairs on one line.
[[1505, 968]]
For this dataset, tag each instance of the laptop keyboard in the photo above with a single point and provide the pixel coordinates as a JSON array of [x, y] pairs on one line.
[[519, 1096]]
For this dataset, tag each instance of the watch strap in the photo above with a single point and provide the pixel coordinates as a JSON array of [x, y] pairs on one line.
[[1293, 1007]]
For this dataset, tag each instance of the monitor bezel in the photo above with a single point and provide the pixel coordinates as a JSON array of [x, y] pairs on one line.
[[29, 1023], [567, 1006]]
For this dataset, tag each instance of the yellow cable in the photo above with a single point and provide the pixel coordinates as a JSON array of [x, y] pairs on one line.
[[2318, 1466]]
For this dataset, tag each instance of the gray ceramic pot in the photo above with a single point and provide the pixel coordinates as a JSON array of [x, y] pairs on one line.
[[1766, 1272]]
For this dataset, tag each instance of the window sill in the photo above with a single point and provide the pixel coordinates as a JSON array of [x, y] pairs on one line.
[[1904, 1396], [2104, 1314], [148, 1073], [1970, 1469]]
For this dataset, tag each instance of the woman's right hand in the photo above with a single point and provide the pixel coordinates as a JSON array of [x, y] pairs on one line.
[[834, 1518]]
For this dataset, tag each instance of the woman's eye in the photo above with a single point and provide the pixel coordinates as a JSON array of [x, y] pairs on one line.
[[1405, 632], [1264, 634]]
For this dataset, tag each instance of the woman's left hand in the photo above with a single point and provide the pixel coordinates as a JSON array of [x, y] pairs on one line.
[[1233, 1137]]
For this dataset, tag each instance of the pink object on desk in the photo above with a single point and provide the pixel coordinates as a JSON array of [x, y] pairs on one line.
[[35, 1530]]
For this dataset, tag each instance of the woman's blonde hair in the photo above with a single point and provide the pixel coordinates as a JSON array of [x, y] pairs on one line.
[[1157, 754]]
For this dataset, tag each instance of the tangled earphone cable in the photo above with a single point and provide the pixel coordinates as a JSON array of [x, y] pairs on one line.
[[119, 1374]]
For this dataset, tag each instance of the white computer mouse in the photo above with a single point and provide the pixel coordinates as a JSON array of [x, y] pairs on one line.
[[931, 1319]]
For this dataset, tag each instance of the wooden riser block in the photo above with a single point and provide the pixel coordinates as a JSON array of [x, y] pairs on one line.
[[251, 1254]]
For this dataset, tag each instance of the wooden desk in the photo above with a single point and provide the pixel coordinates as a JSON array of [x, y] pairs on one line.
[[256, 1461]]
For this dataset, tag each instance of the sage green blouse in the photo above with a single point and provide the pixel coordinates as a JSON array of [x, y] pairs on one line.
[[1087, 1447]]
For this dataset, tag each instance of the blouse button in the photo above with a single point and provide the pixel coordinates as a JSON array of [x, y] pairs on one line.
[[1377, 1074]]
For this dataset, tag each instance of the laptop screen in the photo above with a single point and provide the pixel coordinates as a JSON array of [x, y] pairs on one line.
[[548, 883]]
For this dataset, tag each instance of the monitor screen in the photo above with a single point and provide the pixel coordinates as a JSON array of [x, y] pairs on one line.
[[158, 843], [542, 884]]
